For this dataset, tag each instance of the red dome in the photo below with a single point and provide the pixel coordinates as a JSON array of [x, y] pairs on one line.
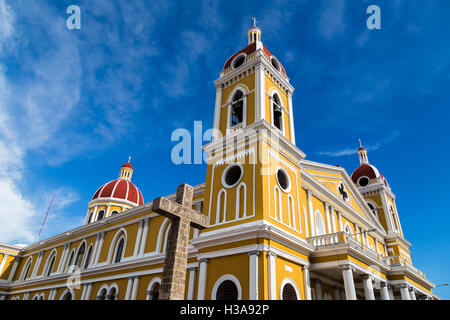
[[120, 189], [128, 165], [249, 50], [362, 149], [365, 170]]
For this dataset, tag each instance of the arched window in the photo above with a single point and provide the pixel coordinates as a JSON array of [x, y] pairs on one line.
[[67, 296], [289, 292], [320, 228], [80, 255], [227, 291], [112, 294], [90, 217], [153, 293], [221, 206], [277, 204], [237, 108], [119, 250], [27, 269], [102, 295], [100, 215], [373, 209], [88, 257], [277, 112], [114, 212], [69, 262], [50, 267]]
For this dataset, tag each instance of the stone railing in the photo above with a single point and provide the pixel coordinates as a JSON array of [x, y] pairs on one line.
[[341, 238], [400, 261]]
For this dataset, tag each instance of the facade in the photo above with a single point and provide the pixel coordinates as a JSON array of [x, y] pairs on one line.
[[281, 227]]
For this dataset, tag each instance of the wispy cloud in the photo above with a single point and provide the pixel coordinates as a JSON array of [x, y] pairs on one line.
[[352, 151]]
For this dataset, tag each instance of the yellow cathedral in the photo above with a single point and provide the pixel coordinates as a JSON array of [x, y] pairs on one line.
[[280, 226]]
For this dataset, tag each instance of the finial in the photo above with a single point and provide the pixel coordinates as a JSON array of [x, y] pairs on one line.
[[360, 144], [254, 21], [129, 158]]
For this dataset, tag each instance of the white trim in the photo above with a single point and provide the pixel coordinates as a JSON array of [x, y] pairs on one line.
[[238, 200], [292, 283], [223, 278], [161, 233]]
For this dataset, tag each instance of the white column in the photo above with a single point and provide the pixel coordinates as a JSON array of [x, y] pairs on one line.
[[88, 292], [368, 287], [347, 274], [94, 252], [412, 294], [404, 292], [38, 264], [63, 256], [384, 291], [83, 293], [391, 292], [307, 282], [144, 237], [272, 275], [327, 213], [138, 239], [312, 232], [217, 112], [202, 279], [291, 118], [333, 221], [318, 289], [253, 287], [357, 232], [192, 273], [135, 287], [99, 249], [2, 264], [129, 287], [14, 267], [341, 227], [260, 92]]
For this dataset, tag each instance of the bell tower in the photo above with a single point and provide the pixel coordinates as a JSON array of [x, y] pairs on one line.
[[253, 165], [253, 86]]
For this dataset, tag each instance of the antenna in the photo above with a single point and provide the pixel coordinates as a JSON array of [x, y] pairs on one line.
[[48, 210]]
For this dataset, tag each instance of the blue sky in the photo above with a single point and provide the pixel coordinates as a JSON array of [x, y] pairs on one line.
[[74, 104]]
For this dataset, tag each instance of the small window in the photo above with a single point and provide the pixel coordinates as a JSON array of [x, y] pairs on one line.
[[283, 180], [80, 255], [363, 181], [372, 208], [119, 251], [232, 175], [90, 217], [112, 294], [277, 112], [27, 271], [239, 61], [101, 214], [237, 108], [114, 212], [102, 295], [69, 263], [52, 262], [67, 296], [227, 290], [88, 257], [275, 64]]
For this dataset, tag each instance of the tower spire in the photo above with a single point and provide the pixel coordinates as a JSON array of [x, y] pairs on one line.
[[362, 154], [254, 33]]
